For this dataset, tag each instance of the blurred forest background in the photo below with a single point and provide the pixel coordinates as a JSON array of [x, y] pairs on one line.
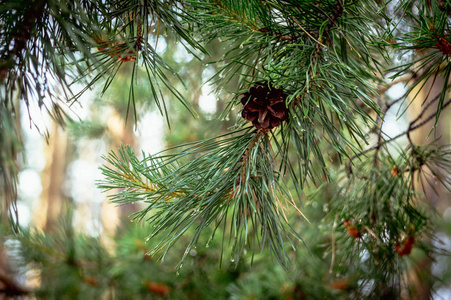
[[76, 243]]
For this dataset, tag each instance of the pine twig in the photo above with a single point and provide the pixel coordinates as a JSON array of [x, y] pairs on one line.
[[307, 33], [407, 132], [332, 262]]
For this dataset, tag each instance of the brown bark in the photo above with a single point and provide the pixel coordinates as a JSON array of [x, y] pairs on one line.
[[437, 195], [112, 215], [52, 180]]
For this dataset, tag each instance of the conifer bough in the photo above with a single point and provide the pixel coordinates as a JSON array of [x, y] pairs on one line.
[[309, 73]]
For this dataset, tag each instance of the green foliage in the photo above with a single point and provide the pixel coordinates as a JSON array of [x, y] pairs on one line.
[[71, 265], [228, 179], [428, 48], [330, 58], [10, 142], [52, 52], [244, 186], [246, 176]]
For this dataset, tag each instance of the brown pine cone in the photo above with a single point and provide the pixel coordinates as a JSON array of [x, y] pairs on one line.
[[264, 105]]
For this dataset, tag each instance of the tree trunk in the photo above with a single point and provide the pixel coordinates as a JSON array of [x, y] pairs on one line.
[[53, 177], [112, 215], [421, 276]]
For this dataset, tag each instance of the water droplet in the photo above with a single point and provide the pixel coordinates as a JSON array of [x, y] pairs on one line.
[[241, 46], [147, 239], [193, 252], [232, 260]]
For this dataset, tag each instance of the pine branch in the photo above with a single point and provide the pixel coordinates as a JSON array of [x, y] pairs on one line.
[[226, 180], [381, 142]]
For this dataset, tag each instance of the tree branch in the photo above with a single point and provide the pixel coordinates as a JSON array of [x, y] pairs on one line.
[[407, 132]]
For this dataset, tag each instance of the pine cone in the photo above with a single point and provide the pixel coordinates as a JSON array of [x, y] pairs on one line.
[[264, 105]]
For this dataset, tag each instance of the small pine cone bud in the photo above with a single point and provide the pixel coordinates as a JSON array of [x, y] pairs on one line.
[[340, 284], [158, 288], [264, 106], [394, 171], [443, 46], [406, 247], [91, 280], [352, 230]]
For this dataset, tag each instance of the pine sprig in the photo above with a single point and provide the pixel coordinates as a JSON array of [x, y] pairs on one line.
[[49, 48], [125, 39], [381, 213], [234, 178], [330, 83], [428, 47]]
